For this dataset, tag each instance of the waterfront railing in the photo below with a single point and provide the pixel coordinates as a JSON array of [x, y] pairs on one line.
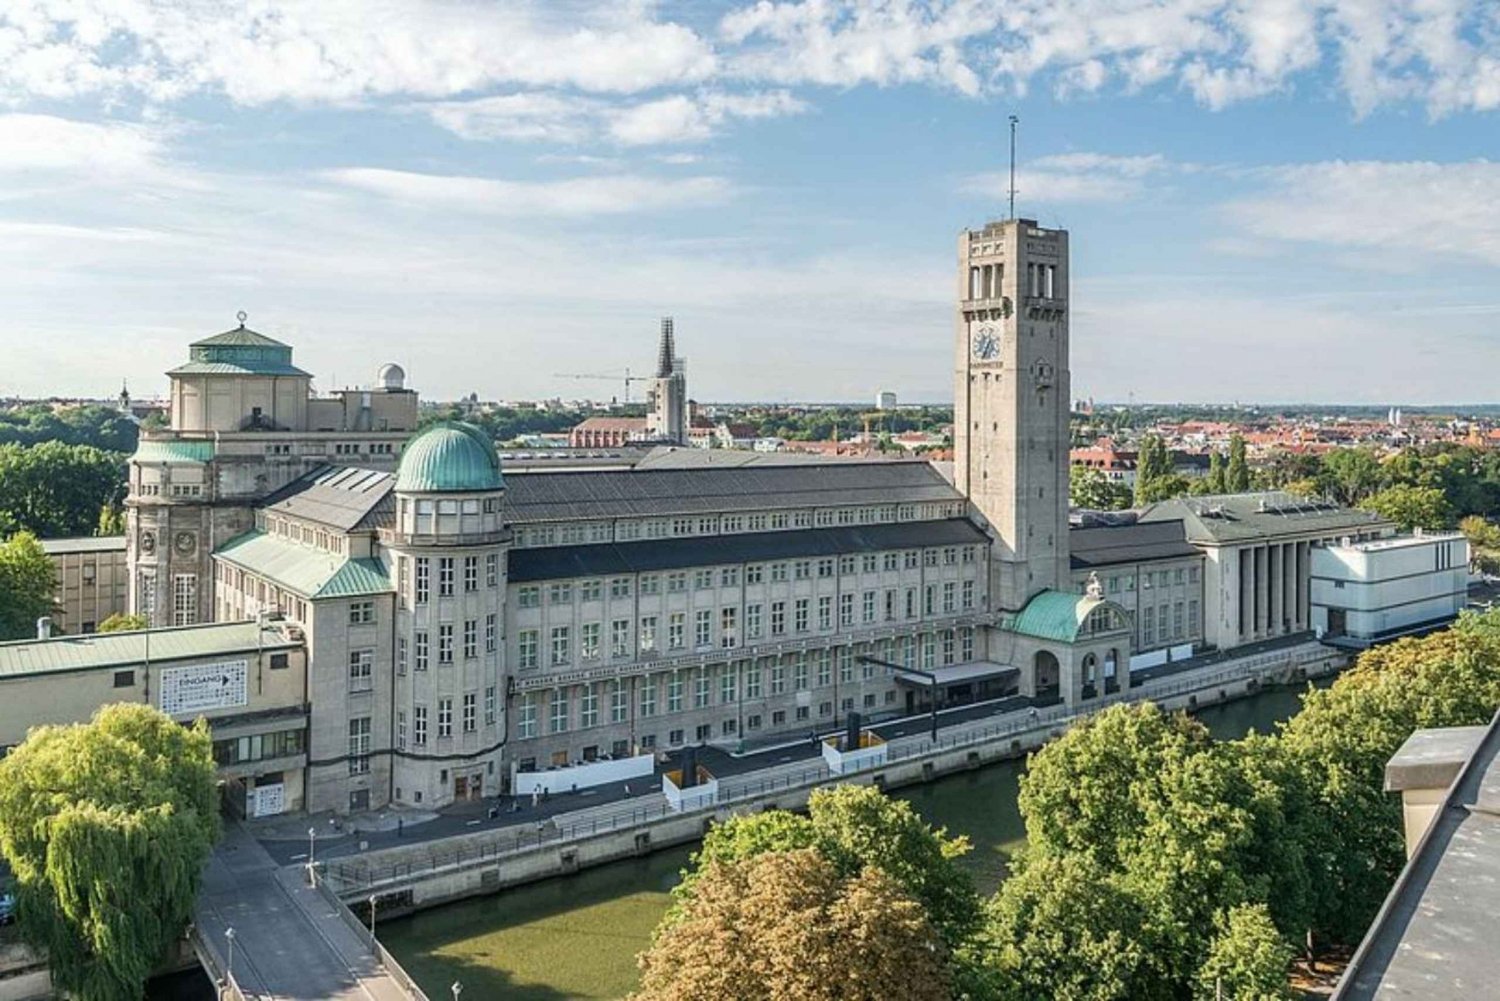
[[361, 875]]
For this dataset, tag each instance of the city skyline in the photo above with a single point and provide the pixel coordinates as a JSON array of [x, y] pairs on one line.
[[491, 195]]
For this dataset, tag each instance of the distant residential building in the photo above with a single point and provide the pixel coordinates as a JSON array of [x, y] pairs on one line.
[[1367, 592], [885, 400], [608, 432], [93, 581], [1117, 464]]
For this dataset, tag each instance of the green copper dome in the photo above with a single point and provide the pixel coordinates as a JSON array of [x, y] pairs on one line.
[[450, 456]]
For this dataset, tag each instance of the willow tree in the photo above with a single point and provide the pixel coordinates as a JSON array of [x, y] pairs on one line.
[[106, 826]]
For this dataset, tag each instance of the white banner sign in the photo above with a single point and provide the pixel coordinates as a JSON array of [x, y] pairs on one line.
[[191, 690]]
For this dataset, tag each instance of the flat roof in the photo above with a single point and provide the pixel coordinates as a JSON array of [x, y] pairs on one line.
[[1399, 542], [23, 658], [85, 544], [1434, 936], [952, 673]]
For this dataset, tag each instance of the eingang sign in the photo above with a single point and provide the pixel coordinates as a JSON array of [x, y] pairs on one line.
[[200, 687]]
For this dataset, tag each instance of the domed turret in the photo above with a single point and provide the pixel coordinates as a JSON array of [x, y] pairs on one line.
[[391, 377], [450, 456]]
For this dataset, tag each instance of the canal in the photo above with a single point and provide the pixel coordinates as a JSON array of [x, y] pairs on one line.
[[577, 936]]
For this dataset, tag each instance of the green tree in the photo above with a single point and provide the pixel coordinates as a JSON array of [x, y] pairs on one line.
[[122, 623], [1410, 507], [53, 489], [1248, 961], [106, 826], [27, 583], [111, 520], [1090, 488], [789, 926], [1152, 463], [1162, 488], [1062, 927], [1481, 533], [1216, 481], [1237, 474], [855, 827], [1349, 475]]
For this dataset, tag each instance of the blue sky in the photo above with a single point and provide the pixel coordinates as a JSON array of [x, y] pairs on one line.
[[1269, 200]]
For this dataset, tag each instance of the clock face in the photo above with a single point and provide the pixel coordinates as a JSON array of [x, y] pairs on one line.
[[986, 344]]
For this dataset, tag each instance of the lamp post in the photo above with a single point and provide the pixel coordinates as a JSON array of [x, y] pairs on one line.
[[229, 937], [373, 897], [312, 872], [457, 989]]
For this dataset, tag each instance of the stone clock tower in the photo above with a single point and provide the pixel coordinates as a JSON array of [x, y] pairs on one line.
[[1012, 400]]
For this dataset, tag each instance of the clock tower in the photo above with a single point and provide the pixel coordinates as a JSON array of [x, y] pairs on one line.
[[1012, 401]]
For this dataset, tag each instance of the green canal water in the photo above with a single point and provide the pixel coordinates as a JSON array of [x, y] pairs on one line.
[[577, 936]]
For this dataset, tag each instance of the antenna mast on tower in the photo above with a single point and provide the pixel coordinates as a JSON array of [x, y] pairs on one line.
[[1014, 121]]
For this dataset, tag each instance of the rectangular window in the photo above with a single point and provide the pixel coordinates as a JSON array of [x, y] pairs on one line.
[[471, 639], [445, 643], [802, 569], [825, 612], [676, 583], [419, 726], [950, 599], [619, 638], [424, 579], [526, 649], [560, 594], [703, 627], [846, 564], [846, 665], [184, 599], [489, 705], [1193, 616], [778, 618], [778, 679], [778, 572], [528, 596], [676, 631], [471, 715], [359, 745], [701, 689], [619, 587], [361, 670], [868, 607], [471, 573], [124, 679], [674, 694], [799, 673], [492, 570], [590, 590], [648, 697], [526, 718], [491, 630], [420, 639], [588, 641], [400, 730], [728, 627], [799, 615], [562, 654], [727, 686], [588, 707], [824, 661], [729, 577], [825, 567], [755, 573], [558, 720], [703, 579], [752, 622], [445, 718], [650, 584], [648, 632], [361, 612], [445, 577], [753, 681], [619, 705]]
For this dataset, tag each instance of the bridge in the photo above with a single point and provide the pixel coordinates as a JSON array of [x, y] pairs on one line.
[[262, 933]]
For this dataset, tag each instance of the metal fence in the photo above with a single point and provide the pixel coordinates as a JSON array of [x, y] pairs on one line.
[[359, 875]]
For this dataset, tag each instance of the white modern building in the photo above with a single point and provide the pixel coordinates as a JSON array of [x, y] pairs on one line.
[[1366, 592], [885, 400]]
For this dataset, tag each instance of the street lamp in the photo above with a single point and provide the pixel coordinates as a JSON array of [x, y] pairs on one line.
[[458, 989], [312, 840], [373, 897], [229, 937], [932, 685]]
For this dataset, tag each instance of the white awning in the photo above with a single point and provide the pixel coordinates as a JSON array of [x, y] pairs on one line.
[[953, 673]]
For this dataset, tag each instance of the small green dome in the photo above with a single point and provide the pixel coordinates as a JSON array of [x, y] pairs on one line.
[[450, 456]]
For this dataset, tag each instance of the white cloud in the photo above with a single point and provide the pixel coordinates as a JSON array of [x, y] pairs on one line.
[[614, 193], [1395, 214], [47, 144], [572, 120], [336, 50], [1076, 177]]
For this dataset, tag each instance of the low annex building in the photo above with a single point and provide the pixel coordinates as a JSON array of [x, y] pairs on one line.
[[93, 581], [1379, 589]]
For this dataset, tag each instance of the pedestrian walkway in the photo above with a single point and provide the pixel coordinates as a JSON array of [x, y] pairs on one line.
[[289, 940]]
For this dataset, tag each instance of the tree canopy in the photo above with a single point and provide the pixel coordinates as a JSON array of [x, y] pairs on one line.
[[1090, 488], [106, 826], [1410, 507], [27, 583], [789, 926], [57, 490], [119, 622]]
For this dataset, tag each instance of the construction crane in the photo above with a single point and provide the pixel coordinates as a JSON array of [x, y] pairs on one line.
[[626, 377]]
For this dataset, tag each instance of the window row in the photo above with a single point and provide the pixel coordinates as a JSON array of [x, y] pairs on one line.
[[452, 639], [467, 721]]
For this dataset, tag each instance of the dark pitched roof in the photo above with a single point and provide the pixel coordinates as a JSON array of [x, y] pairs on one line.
[[342, 497], [587, 494], [1113, 544], [558, 562]]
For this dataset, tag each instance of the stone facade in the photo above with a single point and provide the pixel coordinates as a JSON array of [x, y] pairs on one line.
[[92, 581]]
